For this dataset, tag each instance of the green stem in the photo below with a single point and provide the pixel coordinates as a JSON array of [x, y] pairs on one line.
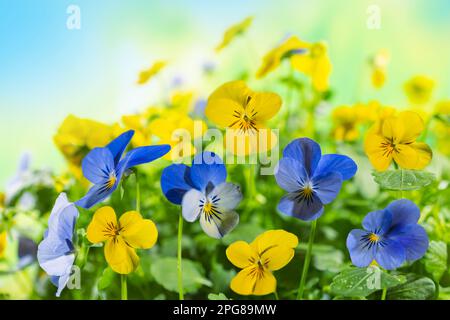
[[275, 293], [123, 283], [250, 181], [138, 194], [383, 294], [301, 286], [179, 266]]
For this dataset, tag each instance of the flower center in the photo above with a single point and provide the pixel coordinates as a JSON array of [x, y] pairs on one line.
[[374, 237], [389, 146], [210, 209], [112, 230], [245, 120], [112, 180], [306, 192]]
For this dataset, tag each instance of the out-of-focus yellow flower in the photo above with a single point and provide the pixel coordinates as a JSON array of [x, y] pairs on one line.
[[3, 243], [76, 136], [442, 126], [2, 200], [315, 63], [178, 130], [61, 182], [139, 124], [419, 89], [269, 252], [122, 238], [274, 57], [394, 139], [348, 119], [149, 73], [235, 106], [379, 68], [182, 101], [234, 31], [345, 119]]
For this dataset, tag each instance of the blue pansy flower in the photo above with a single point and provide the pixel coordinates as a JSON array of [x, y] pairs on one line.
[[104, 167], [203, 193], [311, 180], [56, 253], [390, 237]]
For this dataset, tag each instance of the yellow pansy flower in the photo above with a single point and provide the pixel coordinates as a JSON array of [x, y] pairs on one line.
[[234, 31], [122, 238], [182, 101], [149, 73], [394, 139], [315, 63], [346, 120], [274, 57], [442, 126], [419, 89], [3, 242], [269, 252], [235, 106], [2, 200], [178, 130], [77, 136], [379, 66]]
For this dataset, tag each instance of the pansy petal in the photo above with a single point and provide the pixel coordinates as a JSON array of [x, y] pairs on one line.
[[406, 156], [403, 212], [62, 218], [265, 105], [306, 210], [277, 256], [54, 256], [378, 222], [339, 163], [373, 146], [306, 151], [103, 218], [391, 254], [240, 253], [424, 154], [175, 182], [207, 170], [98, 165], [265, 284], [226, 196], [62, 282], [414, 239], [219, 224], [119, 144], [244, 282], [361, 253], [139, 233], [142, 155], [192, 204], [412, 124], [223, 112], [290, 174], [327, 186], [96, 194], [274, 238], [121, 257]]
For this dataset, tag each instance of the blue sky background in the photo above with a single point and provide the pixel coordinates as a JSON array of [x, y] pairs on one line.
[[48, 71]]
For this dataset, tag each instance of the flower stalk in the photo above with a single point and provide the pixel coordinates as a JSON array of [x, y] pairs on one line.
[[301, 287]]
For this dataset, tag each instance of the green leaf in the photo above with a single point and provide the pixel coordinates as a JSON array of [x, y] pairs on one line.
[[220, 296], [164, 270], [360, 282], [436, 259], [330, 260], [415, 288], [403, 179], [220, 277], [106, 278]]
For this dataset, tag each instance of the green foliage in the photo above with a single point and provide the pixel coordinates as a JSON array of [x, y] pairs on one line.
[[403, 179], [436, 259], [361, 282], [415, 288], [164, 270]]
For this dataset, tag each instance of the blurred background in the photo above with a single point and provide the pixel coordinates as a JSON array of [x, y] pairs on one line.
[[48, 71]]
